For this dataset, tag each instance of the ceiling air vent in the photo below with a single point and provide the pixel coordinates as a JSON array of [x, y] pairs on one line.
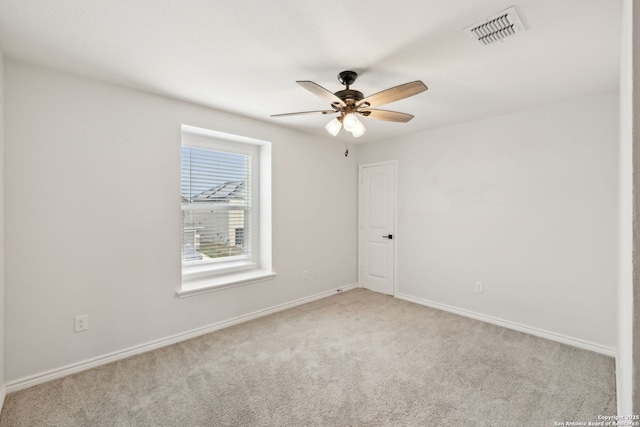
[[497, 27]]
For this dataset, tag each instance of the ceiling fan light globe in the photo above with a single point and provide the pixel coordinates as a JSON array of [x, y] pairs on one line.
[[350, 122], [333, 127], [359, 130]]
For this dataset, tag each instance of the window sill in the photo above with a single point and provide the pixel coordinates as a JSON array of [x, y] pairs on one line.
[[212, 284], [194, 273]]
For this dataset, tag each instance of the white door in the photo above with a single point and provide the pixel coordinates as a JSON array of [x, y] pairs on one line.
[[377, 207]]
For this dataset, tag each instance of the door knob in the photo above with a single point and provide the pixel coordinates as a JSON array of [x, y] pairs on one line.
[[389, 236]]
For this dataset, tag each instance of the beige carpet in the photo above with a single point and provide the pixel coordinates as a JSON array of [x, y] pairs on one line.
[[354, 359]]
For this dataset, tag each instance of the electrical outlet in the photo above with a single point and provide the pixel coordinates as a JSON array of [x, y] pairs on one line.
[[305, 274], [82, 322], [480, 287]]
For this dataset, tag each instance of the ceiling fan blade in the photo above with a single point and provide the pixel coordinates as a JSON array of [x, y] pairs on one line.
[[394, 94], [389, 116], [321, 92], [304, 112]]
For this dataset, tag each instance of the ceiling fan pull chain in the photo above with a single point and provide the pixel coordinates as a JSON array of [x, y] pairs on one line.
[[346, 149]]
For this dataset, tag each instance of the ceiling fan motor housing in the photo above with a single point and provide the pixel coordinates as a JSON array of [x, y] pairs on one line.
[[349, 96]]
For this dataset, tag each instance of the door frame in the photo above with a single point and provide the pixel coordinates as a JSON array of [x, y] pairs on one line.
[[395, 220]]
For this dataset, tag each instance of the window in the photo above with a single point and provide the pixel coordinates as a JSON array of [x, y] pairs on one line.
[[225, 204], [216, 206]]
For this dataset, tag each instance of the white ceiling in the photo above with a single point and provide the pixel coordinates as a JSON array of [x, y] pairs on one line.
[[245, 56]]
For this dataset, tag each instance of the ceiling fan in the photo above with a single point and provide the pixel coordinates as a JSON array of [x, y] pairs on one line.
[[349, 103]]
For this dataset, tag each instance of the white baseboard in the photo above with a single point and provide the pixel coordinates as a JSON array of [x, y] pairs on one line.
[[3, 394], [575, 342], [53, 374]]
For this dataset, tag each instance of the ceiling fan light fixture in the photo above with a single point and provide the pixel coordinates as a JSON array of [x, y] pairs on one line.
[[359, 130], [350, 122], [334, 126]]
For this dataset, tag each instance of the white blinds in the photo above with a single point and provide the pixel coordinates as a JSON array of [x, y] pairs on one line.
[[216, 205]]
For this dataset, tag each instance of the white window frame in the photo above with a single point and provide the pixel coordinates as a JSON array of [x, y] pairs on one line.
[[198, 278]]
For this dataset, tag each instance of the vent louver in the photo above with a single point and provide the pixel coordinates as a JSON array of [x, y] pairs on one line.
[[497, 27]]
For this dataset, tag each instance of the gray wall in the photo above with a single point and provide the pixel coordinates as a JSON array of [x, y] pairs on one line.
[[526, 203], [88, 165]]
